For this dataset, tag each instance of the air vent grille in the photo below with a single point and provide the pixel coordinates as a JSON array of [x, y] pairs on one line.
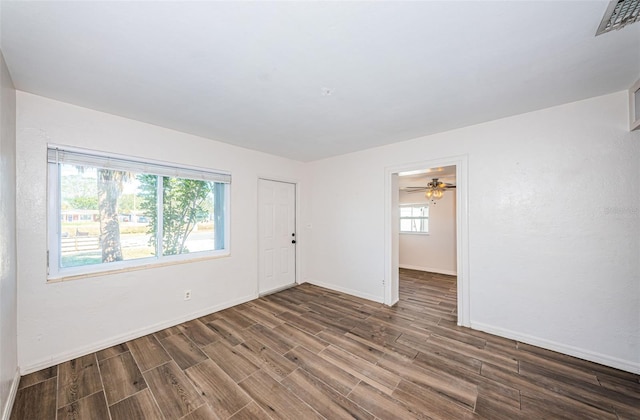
[[619, 14]]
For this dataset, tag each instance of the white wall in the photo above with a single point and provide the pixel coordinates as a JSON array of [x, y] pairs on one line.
[[8, 267], [58, 321], [554, 243], [435, 252], [554, 246]]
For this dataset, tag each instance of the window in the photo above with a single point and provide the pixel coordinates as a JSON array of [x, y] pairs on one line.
[[108, 212], [414, 218]]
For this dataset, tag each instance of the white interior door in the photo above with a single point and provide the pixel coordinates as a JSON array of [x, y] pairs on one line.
[[276, 235]]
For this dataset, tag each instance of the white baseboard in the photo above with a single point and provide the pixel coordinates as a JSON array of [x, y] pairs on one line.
[[8, 406], [277, 289], [356, 293], [591, 356], [429, 269], [132, 335]]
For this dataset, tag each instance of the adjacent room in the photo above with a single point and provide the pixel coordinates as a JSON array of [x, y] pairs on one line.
[[297, 210], [427, 204]]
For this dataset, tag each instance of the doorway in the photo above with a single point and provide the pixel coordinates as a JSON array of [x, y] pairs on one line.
[[392, 223], [276, 236], [428, 220]]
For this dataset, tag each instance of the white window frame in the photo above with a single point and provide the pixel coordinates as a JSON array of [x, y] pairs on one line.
[[413, 205], [138, 165]]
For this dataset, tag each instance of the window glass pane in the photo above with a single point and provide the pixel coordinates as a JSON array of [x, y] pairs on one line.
[[189, 215], [103, 214], [414, 218], [102, 217], [406, 211], [405, 225]]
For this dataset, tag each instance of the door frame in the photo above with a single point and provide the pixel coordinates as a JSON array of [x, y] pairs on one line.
[[391, 282], [296, 185]]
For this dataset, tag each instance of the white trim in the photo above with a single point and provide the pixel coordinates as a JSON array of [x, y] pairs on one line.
[[462, 231], [429, 269], [578, 352], [159, 219], [296, 191], [634, 124], [101, 159], [346, 290], [53, 220], [280, 179], [421, 218], [132, 335], [56, 273], [134, 268], [278, 289], [8, 406], [391, 239]]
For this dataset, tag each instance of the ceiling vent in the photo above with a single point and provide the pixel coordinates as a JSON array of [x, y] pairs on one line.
[[619, 14]]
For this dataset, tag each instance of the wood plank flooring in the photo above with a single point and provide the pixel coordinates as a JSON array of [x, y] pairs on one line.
[[311, 353]]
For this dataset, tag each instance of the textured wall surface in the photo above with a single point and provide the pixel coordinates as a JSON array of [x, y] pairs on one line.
[[8, 262], [554, 242], [62, 320]]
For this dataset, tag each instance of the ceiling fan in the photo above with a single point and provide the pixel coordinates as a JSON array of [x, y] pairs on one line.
[[434, 190]]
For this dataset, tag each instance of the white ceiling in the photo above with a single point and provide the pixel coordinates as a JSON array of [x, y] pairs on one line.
[[423, 177], [253, 73]]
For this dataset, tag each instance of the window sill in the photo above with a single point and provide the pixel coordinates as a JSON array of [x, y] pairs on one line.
[[69, 277], [415, 233]]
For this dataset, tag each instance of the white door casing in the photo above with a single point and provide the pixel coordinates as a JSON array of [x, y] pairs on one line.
[[391, 281], [276, 235]]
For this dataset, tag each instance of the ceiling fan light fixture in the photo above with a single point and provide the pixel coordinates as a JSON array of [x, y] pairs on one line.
[[435, 190]]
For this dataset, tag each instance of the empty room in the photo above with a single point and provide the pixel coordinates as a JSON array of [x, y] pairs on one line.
[[308, 210]]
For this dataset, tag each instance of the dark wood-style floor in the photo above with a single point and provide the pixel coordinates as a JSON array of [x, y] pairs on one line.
[[308, 353]]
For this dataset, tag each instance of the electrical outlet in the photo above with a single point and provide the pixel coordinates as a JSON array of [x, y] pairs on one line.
[[187, 295]]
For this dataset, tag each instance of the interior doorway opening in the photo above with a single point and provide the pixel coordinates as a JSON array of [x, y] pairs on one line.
[[427, 206], [392, 229], [427, 240]]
